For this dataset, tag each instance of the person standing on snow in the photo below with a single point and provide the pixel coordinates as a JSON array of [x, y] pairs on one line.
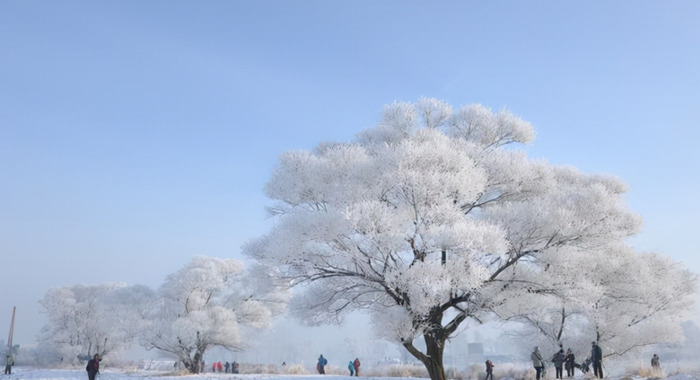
[[356, 364], [570, 363], [321, 364], [8, 364], [489, 370], [351, 368], [558, 360], [537, 362], [597, 359], [93, 367], [655, 362]]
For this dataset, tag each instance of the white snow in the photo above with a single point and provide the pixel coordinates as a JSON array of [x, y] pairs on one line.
[[77, 374]]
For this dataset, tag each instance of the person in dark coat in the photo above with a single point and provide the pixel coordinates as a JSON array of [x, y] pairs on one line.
[[597, 359], [489, 370], [655, 362], [558, 360], [93, 367], [569, 363]]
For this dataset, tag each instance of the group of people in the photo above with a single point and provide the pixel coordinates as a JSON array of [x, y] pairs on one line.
[[221, 367], [560, 360], [353, 366], [564, 361], [567, 360]]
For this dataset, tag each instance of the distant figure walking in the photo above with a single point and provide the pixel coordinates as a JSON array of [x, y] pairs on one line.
[[320, 366], [597, 359], [351, 368], [356, 365], [489, 370], [93, 367], [537, 362]]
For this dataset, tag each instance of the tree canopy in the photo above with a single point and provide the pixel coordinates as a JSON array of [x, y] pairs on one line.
[[207, 303]]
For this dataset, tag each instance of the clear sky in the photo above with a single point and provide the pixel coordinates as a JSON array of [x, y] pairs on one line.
[[135, 135]]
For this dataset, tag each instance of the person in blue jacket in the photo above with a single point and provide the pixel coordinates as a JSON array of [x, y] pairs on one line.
[[321, 364], [351, 367]]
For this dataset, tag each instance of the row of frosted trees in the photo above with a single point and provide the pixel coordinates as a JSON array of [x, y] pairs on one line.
[[432, 218], [209, 302]]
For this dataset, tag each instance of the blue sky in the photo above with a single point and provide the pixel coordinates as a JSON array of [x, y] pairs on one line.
[[136, 135]]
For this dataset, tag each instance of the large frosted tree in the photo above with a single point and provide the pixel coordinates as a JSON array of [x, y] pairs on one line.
[[434, 217], [208, 303]]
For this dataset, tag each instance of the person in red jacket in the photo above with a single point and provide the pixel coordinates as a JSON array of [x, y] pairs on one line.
[[356, 364]]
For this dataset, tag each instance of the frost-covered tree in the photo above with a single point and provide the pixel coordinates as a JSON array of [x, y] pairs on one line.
[[431, 218], [626, 300], [646, 299], [88, 319], [206, 304]]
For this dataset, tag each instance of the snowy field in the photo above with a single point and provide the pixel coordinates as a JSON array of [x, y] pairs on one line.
[[64, 374], [74, 374]]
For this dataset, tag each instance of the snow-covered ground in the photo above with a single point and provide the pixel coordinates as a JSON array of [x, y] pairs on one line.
[[75, 374]]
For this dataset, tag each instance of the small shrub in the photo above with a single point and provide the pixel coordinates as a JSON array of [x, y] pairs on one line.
[[651, 372], [396, 370], [296, 369]]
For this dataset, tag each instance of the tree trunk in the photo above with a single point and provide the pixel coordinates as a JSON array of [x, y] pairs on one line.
[[434, 348], [193, 365], [432, 359]]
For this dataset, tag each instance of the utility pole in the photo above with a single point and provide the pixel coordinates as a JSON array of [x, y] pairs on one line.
[[12, 330], [8, 360]]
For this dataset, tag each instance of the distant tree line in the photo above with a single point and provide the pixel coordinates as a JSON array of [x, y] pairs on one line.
[[207, 303]]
